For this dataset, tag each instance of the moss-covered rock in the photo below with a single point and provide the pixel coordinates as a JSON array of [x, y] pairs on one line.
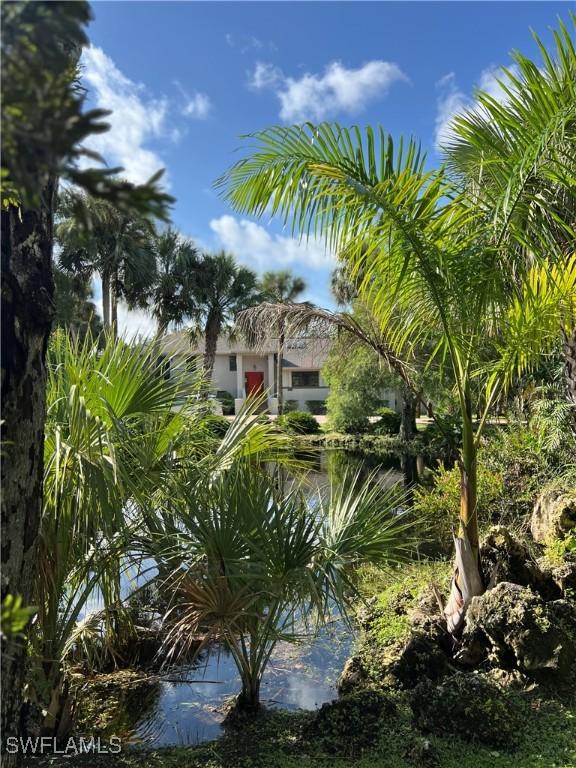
[[554, 515], [470, 706], [511, 627], [505, 558]]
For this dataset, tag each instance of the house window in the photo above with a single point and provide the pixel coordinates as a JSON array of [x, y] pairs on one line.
[[232, 362], [305, 379]]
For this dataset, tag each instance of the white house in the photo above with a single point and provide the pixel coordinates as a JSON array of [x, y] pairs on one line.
[[241, 370]]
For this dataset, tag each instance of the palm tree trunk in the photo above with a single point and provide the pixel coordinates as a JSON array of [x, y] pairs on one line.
[[114, 304], [106, 300], [569, 353], [249, 699], [467, 580], [211, 333], [27, 309], [279, 361], [408, 461]]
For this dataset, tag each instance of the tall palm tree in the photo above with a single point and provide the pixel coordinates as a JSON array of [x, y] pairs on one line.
[[115, 244], [223, 289], [430, 265], [171, 295], [281, 288]]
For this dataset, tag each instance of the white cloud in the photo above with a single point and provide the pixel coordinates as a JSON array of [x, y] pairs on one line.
[[452, 101], [246, 43], [198, 106], [136, 117], [338, 89], [257, 248], [135, 322], [265, 75]]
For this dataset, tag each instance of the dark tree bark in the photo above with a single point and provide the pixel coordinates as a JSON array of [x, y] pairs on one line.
[[27, 309], [569, 354], [408, 431]]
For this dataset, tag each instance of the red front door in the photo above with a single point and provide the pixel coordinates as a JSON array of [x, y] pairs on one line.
[[254, 382]]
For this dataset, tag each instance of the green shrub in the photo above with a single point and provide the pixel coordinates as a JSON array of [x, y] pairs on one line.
[[299, 422], [471, 707], [443, 439], [218, 425], [227, 401], [316, 407], [436, 509], [289, 406], [389, 422]]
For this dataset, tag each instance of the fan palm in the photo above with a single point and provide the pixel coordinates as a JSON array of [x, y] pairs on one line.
[[223, 289], [281, 288], [96, 236], [428, 263], [257, 565], [171, 293]]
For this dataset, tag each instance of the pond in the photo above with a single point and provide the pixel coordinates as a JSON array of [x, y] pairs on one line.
[[188, 705]]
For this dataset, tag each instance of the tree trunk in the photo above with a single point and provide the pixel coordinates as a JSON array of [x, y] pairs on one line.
[[211, 333], [467, 579], [569, 353], [408, 461], [114, 305], [279, 361], [106, 300], [27, 309], [249, 699]]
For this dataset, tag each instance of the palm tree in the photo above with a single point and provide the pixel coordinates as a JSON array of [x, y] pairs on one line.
[[74, 308], [430, 267], [272, 564], [281, 288], [171, 294], [516, 158], [223, 289], [115, 244]]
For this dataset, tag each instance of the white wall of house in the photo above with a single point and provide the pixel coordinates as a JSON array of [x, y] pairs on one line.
[[222, 376]]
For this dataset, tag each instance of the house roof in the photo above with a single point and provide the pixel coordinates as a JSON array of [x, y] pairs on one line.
[[305, 352]]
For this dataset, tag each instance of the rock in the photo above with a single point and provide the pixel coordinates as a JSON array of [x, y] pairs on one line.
[[504, 558], [565, 575], [554, 515], [353, 678], [422, 657], [470, 706], [512, 628], [351, 724]]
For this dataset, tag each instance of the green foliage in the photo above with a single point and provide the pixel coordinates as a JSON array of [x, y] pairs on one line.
[[316, 407], [299, 422], [389, 422], [270, 561], [349, 726], [443, 438], [227, 401], [290, 406], [356, 377], [14, 616], [74, 309], [218, 425], [436, 508], [471, 707]]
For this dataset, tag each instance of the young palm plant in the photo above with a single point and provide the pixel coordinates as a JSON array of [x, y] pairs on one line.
[[256, 564], [428, 263]]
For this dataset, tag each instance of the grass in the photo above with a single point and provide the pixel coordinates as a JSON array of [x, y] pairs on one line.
[[275, 741]]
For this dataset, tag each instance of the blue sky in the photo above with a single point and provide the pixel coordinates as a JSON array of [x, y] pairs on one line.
[[186, 79]]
